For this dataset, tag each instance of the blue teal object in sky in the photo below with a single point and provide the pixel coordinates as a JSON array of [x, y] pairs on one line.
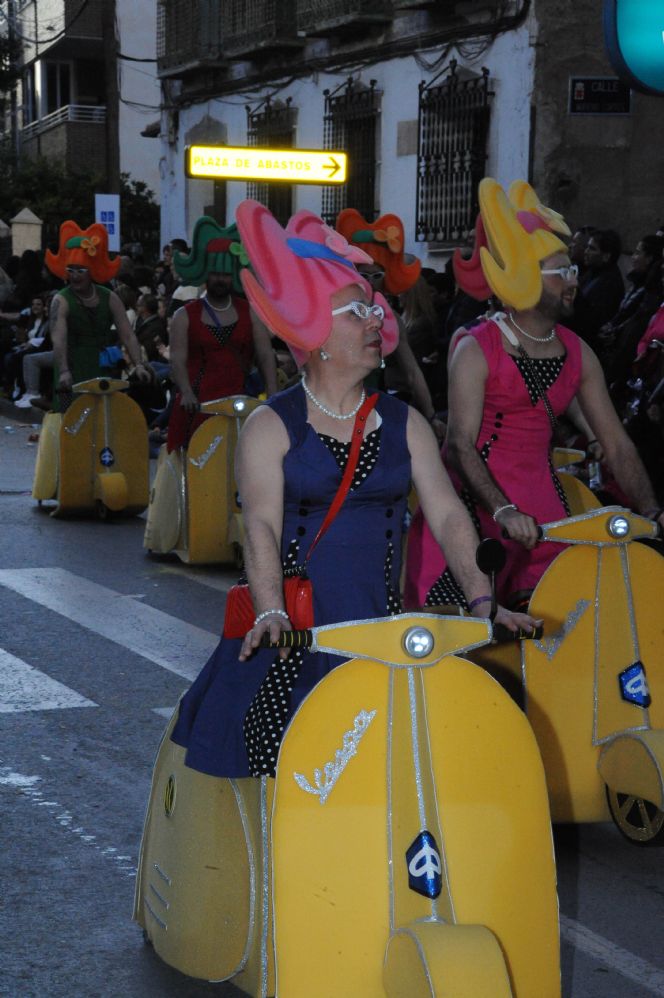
[[634, 34]]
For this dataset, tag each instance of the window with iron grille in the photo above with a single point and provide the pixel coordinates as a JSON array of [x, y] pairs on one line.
[[351, 125], [272, 124], [453, 131]]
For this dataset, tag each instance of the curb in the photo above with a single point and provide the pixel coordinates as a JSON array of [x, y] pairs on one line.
[[9, 411]]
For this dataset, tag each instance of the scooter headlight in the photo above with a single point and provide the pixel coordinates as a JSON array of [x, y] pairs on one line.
[[618, 526], [239, 405], [418, 642]]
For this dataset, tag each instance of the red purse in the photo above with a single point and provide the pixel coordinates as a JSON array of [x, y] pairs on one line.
[[298, 592]]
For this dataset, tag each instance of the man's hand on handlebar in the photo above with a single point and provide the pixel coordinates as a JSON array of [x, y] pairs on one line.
[[516, 621], [519, 527], [273, 626]]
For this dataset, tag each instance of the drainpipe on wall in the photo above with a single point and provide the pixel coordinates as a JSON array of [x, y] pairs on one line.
[[111, 49]]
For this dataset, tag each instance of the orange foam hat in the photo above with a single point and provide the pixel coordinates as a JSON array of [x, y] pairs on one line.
[[83, 248], [384, 241]]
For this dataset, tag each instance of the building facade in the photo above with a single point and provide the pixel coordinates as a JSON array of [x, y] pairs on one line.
[[88, 85], [426, 96]]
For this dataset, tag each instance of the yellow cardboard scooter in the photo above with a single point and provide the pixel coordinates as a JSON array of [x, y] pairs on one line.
[[95, 455], [193, 503], [593, 688], [579, 497], [403, 850]]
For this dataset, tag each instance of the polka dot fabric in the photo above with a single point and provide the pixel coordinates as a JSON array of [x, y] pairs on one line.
[[270, 709], [233, 718], [514, 442]]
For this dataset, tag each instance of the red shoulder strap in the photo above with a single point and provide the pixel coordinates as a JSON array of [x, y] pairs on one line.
[[349, 471]]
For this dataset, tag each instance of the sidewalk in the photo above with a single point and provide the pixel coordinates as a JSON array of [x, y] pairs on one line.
[[9, 410]]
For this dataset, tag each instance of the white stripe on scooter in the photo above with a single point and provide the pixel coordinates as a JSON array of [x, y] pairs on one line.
[[168, 641], [621, 960], [22, 687]]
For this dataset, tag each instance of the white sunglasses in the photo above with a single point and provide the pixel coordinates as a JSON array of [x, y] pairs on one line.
[[567, 273], [361, 310]]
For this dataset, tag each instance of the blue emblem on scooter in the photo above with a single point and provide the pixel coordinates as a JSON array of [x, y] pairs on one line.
[[634, 686], [107, 457], [424, 866]]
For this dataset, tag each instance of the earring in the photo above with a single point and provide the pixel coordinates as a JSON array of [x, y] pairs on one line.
[[323, 354], [382, 363]]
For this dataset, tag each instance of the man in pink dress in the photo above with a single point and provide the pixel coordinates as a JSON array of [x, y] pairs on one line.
[[510, 379]]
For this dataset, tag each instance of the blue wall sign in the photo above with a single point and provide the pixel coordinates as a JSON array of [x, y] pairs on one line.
[[634, 35]]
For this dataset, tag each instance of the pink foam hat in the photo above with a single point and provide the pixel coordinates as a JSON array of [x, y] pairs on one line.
[[295, 272]]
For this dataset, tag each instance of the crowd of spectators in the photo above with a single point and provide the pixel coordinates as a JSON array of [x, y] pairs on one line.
[[619, 312]]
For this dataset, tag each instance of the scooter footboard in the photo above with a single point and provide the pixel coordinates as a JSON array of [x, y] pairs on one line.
[[448, 961]]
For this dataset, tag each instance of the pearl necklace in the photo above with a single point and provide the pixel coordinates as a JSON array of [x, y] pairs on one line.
[[328, 412], [221, 308], [536, 339]]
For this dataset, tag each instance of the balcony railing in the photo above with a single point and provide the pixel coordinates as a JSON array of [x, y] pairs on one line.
[[71, 112], [322, 17], [189, 34], [254, 26]]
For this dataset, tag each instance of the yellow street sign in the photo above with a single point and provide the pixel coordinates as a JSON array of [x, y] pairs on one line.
[[297, 166]]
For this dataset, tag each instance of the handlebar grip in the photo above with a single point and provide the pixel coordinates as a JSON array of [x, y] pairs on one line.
[[289, 639], [502, 634], [540, 533]]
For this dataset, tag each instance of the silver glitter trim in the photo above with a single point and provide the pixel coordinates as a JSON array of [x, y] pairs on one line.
[[524, 676], [425, 965], [326, 779], [549, 646], [158, 896], [435, 914], [416, 750], [252, 878], [265, 885], [404, 617], [605, 513], [390, 839], [107, 421], [596, 650], [164, 876], [73, 430], [200, 462], [154, 914]]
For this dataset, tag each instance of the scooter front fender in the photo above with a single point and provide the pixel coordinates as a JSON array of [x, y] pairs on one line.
[[633, 763], [111, 489], [450, 961]]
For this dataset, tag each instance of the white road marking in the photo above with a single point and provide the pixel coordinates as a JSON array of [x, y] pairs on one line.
[[627, 964], [28, 787], [22, 687], [166, 712], [205, 576], [168, 641]]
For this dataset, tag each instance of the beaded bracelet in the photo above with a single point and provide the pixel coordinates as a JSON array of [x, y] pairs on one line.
[[476, 602], [501, 509], [270, 613]]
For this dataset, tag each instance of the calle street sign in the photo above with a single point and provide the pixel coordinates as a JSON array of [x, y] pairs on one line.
[[296, 166]]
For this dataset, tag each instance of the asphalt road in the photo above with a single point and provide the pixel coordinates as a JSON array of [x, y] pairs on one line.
[[98, 640]]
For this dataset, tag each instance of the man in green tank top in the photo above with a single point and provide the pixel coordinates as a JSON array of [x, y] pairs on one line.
[[84, 313]]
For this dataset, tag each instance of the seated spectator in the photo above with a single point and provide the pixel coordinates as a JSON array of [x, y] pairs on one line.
[[150, 329], [601, 288], [35, 339]]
